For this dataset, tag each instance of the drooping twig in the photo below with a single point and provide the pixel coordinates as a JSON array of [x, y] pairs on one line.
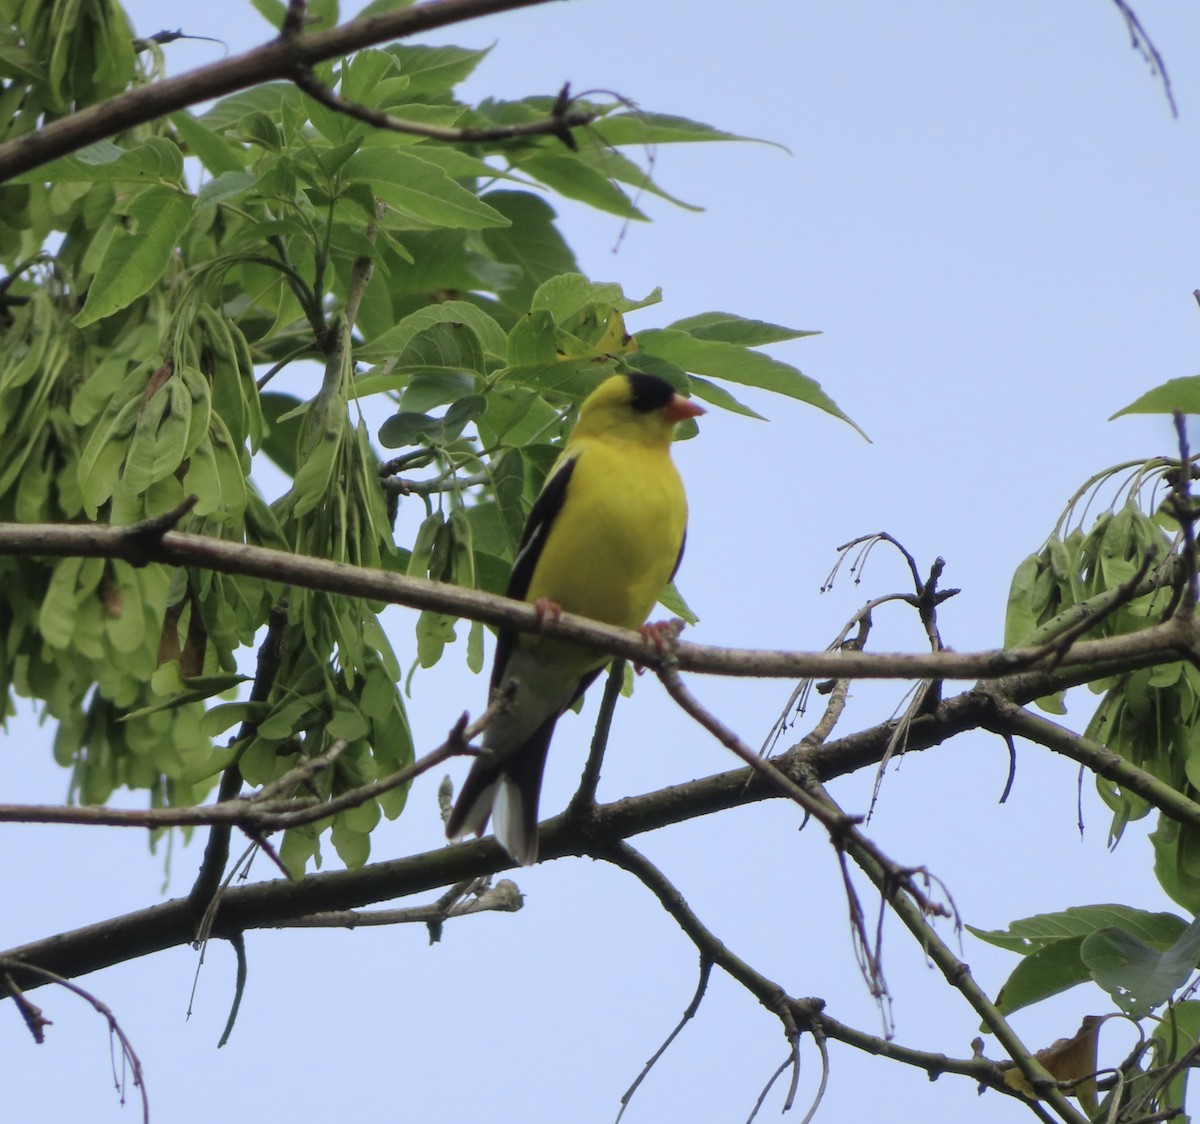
[[10, 966], [1144, 45], [238, 942]]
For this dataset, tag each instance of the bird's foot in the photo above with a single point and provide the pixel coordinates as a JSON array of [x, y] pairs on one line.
[[661, 636], [545, 608]]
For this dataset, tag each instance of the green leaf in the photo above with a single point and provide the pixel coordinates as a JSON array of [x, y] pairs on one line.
[[1181, 395], [434, 632], [299, 843], [475, 647], [436, 70], [215, 152], [738, 365], [273, 11], [436, 388], [267, 99], [717, 396], [405, 428], [1138, 977], [228, 185], [661, 128], [1178, 1031], [353, 847], [728, 328], [1021, 617], [154, 161], [283, 420], [409, 428], [508, 482], [532, 242], [378, 7], [1051, 969], [137, 256], [672, 600], [1031, 933], [574, 179], [419, 190], [457, 165], [533, 340], [393, 342]]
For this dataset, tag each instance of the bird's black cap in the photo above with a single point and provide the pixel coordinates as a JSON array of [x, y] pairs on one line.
[[649, 392]]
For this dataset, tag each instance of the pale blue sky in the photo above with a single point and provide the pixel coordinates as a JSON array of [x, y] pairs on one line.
[[991, 215]]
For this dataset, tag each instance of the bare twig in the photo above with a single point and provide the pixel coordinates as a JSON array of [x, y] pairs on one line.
[[689, 1013]]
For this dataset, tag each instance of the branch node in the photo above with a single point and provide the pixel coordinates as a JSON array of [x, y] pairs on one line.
[[143, 540]]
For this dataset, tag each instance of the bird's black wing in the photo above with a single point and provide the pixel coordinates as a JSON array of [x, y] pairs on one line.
[[679, 556], [537, 527]]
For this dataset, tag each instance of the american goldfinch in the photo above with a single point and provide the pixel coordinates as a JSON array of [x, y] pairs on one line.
[[603, 538]]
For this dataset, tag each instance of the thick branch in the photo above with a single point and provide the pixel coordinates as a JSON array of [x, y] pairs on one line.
[[1158, 644], [264, 905], [271, 61]]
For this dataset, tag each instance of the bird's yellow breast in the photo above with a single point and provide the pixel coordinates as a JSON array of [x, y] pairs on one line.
[[615, 541]]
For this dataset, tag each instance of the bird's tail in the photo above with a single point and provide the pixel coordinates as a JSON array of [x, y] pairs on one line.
[[510, 787]]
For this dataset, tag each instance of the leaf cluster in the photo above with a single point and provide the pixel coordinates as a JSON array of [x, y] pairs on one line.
[[401, 292]]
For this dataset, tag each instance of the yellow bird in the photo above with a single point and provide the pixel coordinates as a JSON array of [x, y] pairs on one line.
[[604, 537]]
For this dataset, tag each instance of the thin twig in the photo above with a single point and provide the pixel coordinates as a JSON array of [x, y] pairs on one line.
[[689, 1013], [559, 124], [216, 849], [585, 795]]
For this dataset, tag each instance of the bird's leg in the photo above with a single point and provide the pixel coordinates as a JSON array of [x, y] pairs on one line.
[[544, 608]]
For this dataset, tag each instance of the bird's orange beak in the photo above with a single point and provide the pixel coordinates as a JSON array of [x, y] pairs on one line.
[[679, 408]]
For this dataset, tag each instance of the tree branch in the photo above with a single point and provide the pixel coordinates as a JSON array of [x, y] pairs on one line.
[[1008, 718], [504, 897], [268, 62], [1172, 640]]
